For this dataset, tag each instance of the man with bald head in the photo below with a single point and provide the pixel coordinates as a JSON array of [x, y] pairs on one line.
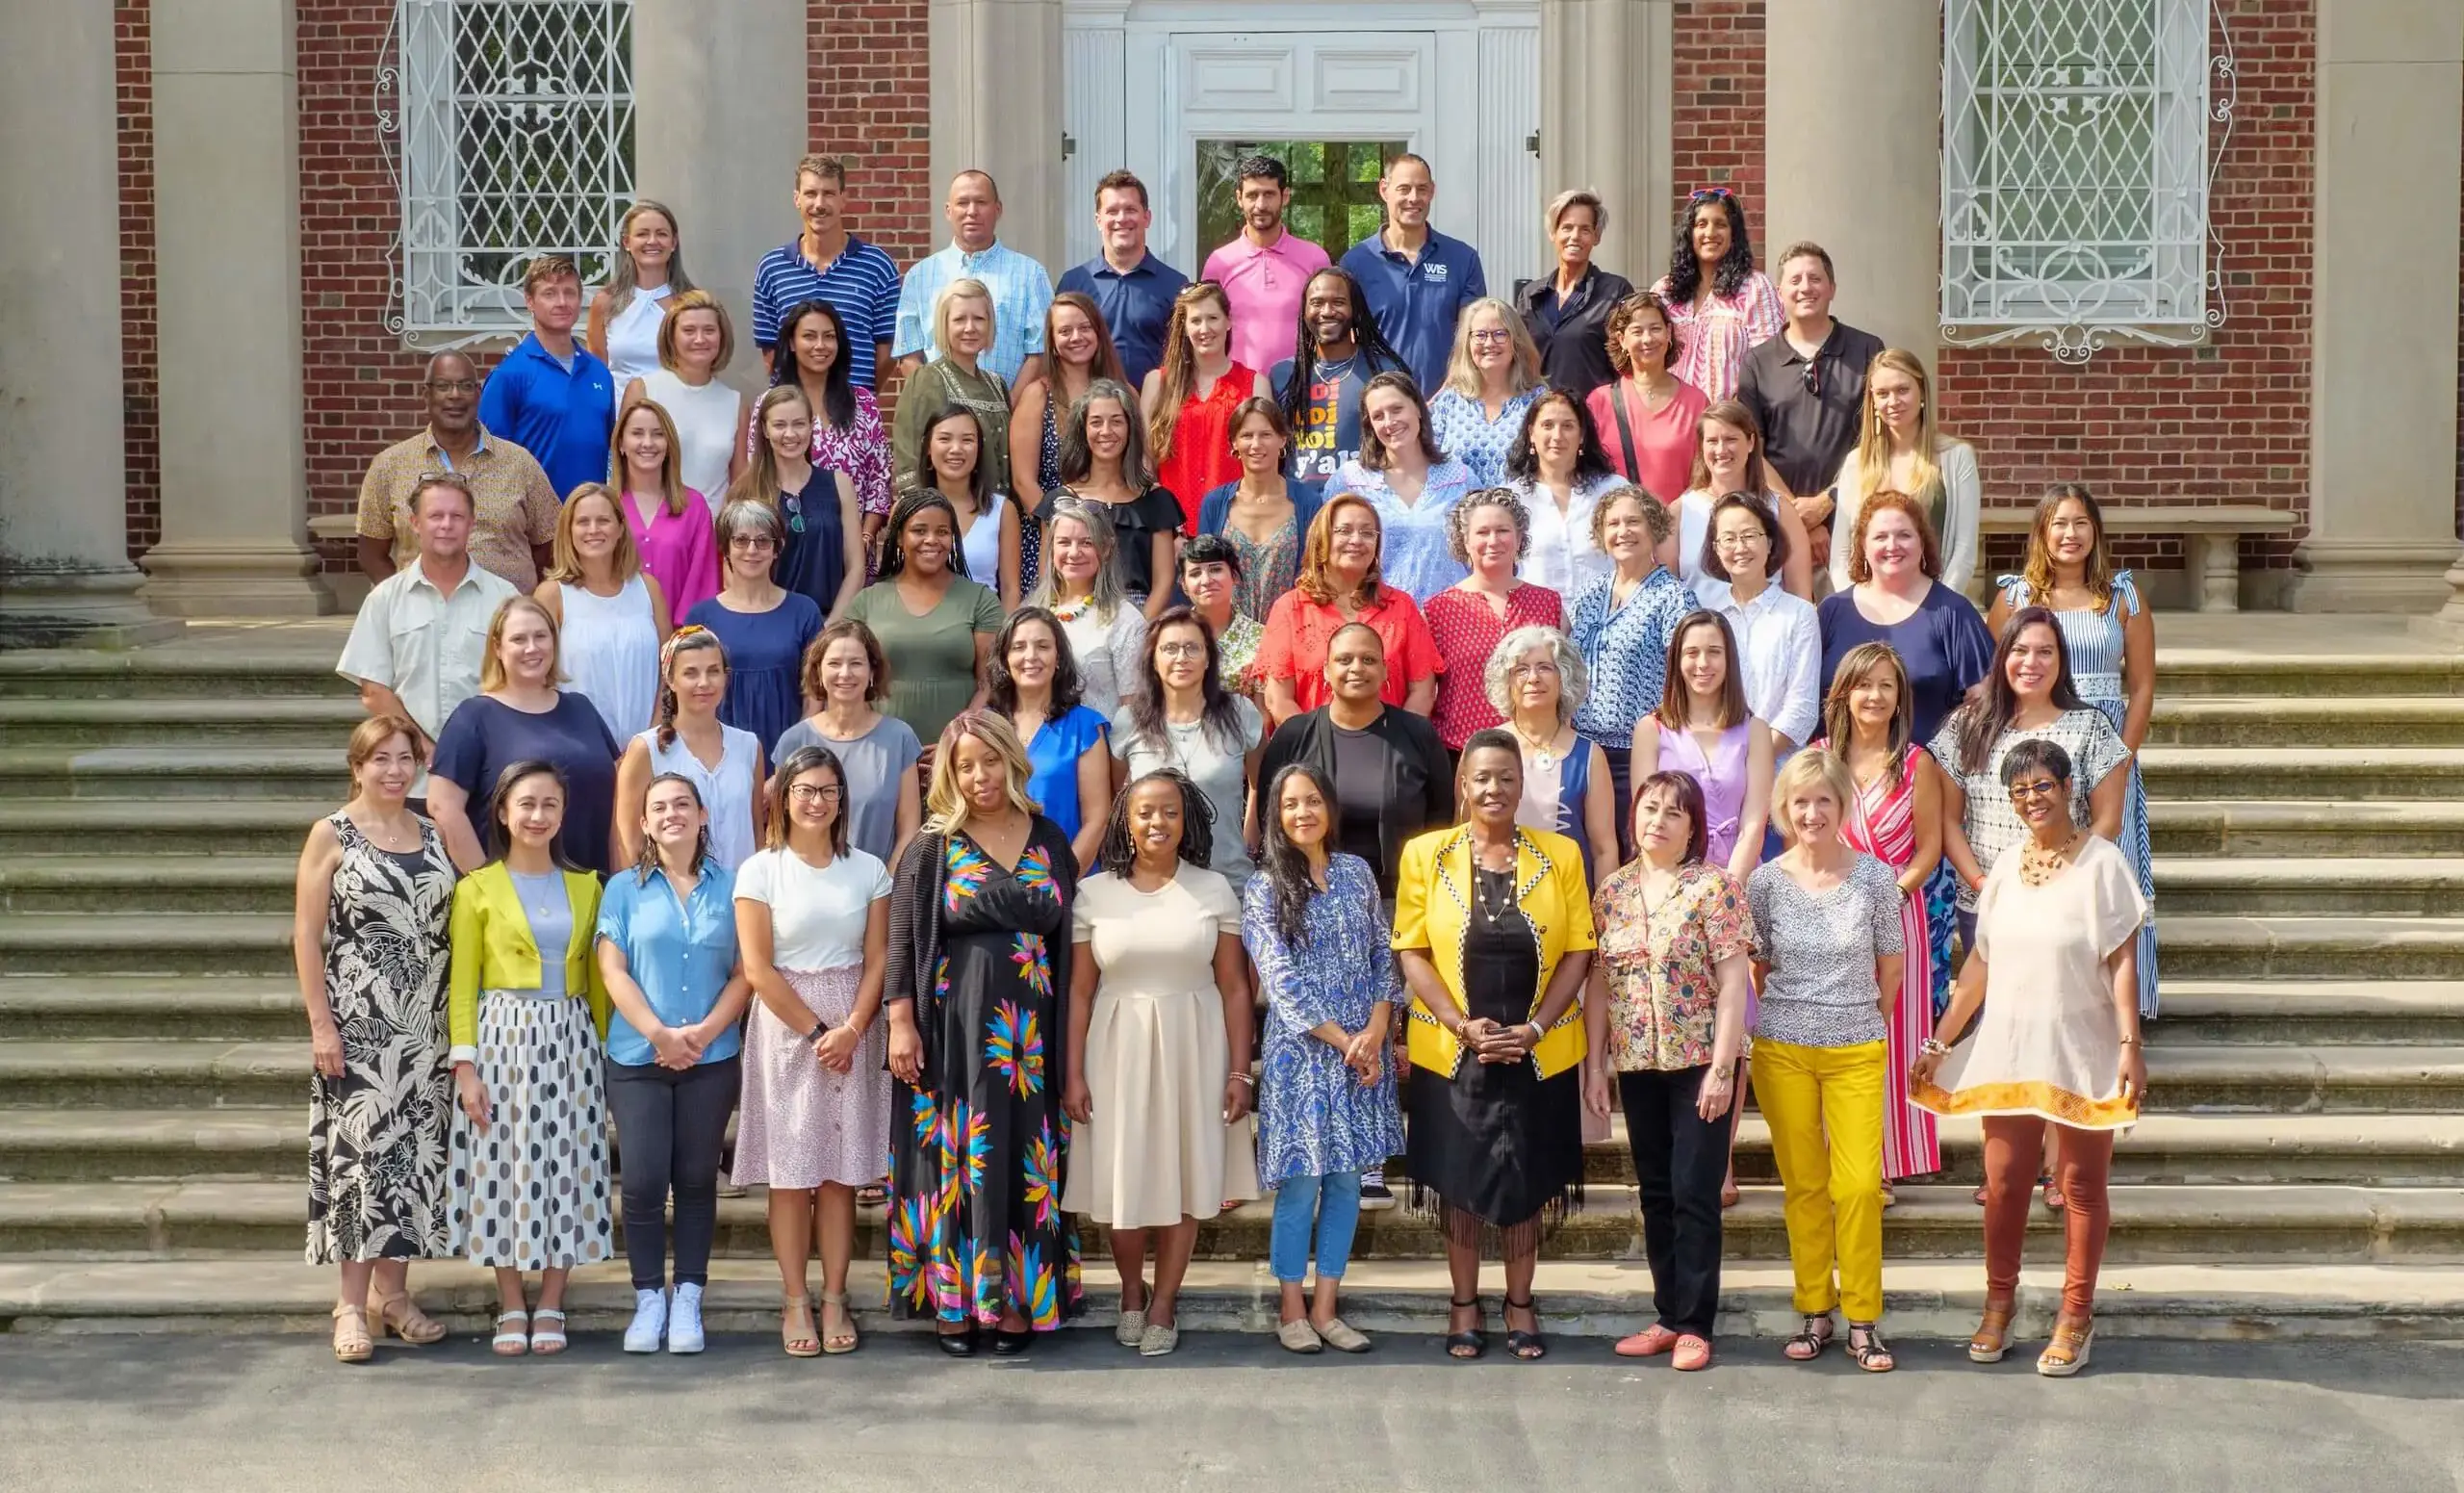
[[1021, 290], [513, 525]]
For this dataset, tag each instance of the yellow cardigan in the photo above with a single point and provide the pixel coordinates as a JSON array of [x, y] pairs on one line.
[[1433, 912], [493, 949]]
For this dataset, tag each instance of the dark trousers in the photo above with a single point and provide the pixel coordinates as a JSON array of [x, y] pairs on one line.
[[671, 1126], [1679, 1159]]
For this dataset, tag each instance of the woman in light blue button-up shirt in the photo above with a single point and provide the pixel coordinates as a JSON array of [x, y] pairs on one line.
[[1410, 481]]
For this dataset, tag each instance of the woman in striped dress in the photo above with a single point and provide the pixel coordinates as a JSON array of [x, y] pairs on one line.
[[2112, 641], [1870, 722]]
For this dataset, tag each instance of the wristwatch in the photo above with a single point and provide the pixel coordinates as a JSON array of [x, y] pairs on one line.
[[820, 1030]]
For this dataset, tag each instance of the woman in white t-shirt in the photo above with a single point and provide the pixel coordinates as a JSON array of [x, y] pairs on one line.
[[696, 343], [813, 923]]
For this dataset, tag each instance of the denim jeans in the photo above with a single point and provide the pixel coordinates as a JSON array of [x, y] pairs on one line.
[[1334, 1201]]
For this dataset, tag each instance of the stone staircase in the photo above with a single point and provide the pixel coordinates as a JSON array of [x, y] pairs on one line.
[[2304, 1159]]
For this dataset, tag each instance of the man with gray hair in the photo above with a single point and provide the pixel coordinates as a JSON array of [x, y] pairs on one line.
[[1021, 288]]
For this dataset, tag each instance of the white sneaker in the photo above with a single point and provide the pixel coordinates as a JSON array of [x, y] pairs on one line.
[[649, 1320], [684, 1321]]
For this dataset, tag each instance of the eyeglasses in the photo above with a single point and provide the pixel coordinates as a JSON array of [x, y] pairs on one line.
[[1493, 334], [795, 515], [1354, 531], [752, 542], [2034, 789], [1180, 649], [808, 793], [453, 386]]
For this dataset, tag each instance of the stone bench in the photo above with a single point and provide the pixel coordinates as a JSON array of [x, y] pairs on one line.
[[350, 587], [2210, 537]]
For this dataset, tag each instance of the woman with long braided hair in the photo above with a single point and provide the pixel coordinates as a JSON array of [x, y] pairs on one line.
[[689, 741]]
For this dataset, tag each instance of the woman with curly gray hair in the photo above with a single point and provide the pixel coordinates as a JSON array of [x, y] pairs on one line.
[[1487, 532], [1536, 680]]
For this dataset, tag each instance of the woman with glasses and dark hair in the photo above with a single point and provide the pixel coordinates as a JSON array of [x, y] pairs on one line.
[[935, 625], [1720, 304], [763, 627], [1779, 634], [1556, 470], [1180, 714], [812, 922], [1264, 515], [847, 434], [1033, 682], [1412, 484], [1648, 416], [2057, 1049], [1190, 399], [1157, 1050], [989, 535], [1104, 462]]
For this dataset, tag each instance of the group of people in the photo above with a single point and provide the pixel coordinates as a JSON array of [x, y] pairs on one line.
[[1134, 783]]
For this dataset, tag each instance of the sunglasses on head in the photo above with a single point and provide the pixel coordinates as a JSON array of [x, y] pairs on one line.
[[1711, 194]]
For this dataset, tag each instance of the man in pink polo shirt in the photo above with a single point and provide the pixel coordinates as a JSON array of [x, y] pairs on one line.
[[1265, 270]]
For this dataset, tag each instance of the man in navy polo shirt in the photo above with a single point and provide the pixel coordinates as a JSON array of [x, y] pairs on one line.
[[550, 395], [1131, 286], [826, 263], [1417, 279]]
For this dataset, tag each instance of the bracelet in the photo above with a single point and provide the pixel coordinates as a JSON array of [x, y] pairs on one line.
[[1246, 1078], [2130, 1041], [1539, 1033], [1932, 1047]]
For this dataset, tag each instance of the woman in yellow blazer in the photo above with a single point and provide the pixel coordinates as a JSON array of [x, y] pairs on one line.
[[1493, 929], [530, 1171]]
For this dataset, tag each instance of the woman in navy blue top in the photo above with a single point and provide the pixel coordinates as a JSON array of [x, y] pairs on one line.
[[1032, 680], [1896, 598], [764, 627], [519, 715]]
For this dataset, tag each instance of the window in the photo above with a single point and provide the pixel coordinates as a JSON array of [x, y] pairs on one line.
[[515, 132], [1334, 188], [2075, 167]]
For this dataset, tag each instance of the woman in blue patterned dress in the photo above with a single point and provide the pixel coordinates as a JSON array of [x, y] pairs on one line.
[[2111, 640], [979, 949], [1327, 1110]]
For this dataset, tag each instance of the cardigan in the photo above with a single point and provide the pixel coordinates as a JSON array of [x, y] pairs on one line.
[[1433, 912], [493, 950], [1412, 752], [911, 966]]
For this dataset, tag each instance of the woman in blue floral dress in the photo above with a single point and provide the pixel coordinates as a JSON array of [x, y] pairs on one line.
[[979, 952], [1327, 1109]]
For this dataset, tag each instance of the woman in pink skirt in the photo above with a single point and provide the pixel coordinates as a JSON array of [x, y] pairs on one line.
[[812, 921]]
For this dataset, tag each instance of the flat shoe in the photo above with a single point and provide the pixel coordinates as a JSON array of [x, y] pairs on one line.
[[1011, 1344], [1342, 1337], [1300, 1337], [1650, 1342], [1157, 1341], [958, 1344], [1131, 1329], [1693, 1355]]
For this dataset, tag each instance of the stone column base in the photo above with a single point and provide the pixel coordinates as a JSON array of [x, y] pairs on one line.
[[2373, 576], [56, 606], [2448, 624], [235, 578]]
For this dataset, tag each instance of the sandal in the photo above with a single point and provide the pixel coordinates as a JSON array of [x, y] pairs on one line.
[[1807, 1345], [1890, 1196], [2067, 1354], [1866, 1349], [1981, 1198], [1530, 1347], [515, 1342], [836, 1343], [1472, 1342], [545, 1341], [1992, 1336], [402, 1317], [352, 1342], [796, 1332], [1730, 1197], [2052, 1192], [872, 1194]]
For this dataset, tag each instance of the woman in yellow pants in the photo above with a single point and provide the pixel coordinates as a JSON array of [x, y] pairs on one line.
[[1827, 930]]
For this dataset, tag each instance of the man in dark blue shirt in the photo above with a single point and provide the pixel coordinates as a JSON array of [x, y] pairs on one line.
[[1131, 286], [550, 395], [1417, 279]]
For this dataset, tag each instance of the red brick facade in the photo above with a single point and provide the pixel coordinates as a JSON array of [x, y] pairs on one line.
[[1716, 92], [871, 107], [141, 415]]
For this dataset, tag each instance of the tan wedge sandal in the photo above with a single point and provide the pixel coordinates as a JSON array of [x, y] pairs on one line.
[[352, 1342], [402, 1316]]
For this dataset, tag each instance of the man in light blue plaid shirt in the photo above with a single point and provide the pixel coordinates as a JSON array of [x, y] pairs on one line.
[[1021, 290]]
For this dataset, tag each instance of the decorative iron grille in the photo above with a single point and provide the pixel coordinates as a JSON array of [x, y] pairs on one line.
[[510, 132], [2076, 159]]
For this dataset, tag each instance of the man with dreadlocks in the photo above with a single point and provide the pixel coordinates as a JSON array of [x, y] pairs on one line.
[[1340, 351]]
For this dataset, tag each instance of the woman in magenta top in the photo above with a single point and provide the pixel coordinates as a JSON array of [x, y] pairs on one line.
[[1487, 532], [1647, 415], [1723, 306], [670, 523]]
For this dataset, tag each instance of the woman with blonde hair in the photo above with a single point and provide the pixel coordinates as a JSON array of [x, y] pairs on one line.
[[962, 333], [689, 741], [1728, 458], [1901, 448], [625, 318], [519, 715], [821, 520], [370, 923], [1491, 380], [695, 345], [1077, 350], [611, 612], [1189, 398], [1341, 584], [670, 523], [979, 958]]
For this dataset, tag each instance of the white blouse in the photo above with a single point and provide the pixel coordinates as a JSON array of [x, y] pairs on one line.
[[1562, 555], [632, 336]]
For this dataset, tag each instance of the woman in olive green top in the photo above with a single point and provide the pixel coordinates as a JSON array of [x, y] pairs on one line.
[[961, 330], [936, 627]]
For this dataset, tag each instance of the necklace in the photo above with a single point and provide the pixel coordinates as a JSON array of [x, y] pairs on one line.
[[2039, 865], [1541, 750], [1481, 876]]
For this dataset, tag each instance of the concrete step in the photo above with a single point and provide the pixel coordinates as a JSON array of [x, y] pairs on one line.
[[2302, 826], [1923, 1300], [123, 1076], [2307, 886], [2219, 947], [2340, 1080], [269, 826], [2312, 1225], [155, 1008], [123, 721], [2298, 720], [219, 668], [175, 774], [2329, 772], [2297, 673], [2335, 1012], [169, 944], [148, 884]]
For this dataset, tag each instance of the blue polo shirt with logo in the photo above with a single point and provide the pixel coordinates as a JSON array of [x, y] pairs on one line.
[[1137, 308], [566, 417], [1416, 302]]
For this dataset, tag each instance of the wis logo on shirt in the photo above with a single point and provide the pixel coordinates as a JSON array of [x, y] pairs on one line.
[[1436, 273]]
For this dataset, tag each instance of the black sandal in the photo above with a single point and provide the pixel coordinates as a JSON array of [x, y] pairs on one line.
[[1528, 1347], [1471, 1345], [1866, 1349], [1807, 1345]]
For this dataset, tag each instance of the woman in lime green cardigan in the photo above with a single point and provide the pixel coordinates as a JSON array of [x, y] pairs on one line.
[[531, 1170]]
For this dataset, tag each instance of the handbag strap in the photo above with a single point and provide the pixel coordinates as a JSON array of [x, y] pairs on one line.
[[1625, 430]]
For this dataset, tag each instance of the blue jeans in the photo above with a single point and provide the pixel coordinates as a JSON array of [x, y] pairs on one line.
[[1335, 1202]]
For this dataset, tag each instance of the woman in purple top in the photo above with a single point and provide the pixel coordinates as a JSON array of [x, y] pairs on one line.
[[1703, 729]]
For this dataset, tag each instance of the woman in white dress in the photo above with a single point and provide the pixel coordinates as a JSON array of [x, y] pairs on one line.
[[695, 345], [1160, 1023], [647, 268], [608, 609], [722, 761], [988, 539], [1081, 586]]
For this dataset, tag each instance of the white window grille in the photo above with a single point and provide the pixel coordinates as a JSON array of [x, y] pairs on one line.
[[2076, 158], [512, 128]]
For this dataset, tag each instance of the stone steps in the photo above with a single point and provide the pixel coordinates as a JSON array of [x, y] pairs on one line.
[[2308, 948], [2383, 720], [2337, 773], [2186, 673], [231, 669], [170, 943], [42, 824], [153, 1008], [2322, 827], [2291, 886], [81, 882], [173, 774], [2347, 1012], [306, 721]]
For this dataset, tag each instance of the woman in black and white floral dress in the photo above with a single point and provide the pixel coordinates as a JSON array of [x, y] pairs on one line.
[[376, 891]]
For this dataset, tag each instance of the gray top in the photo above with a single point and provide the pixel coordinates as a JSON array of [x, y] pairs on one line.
[[873, 762], [1821, 948], [1221, 775], [552, 927]]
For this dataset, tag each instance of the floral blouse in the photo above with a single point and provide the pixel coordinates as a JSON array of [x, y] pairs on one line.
[[1664, 988]]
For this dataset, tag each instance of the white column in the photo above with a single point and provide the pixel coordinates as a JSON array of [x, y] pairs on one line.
[[226, 211], [1868, 190], [64, 493], [1606, 122], [2382, 367], [719, 122], [995, 86]]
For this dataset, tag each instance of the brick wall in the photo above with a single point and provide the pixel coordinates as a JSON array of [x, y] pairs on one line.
[[868, 64], [1716, 48], [132, 30]]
